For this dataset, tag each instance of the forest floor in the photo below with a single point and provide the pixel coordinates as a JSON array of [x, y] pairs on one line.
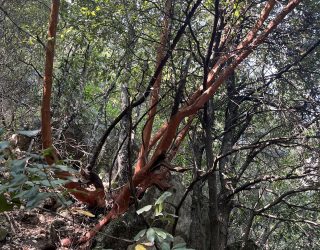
[[41, 229]]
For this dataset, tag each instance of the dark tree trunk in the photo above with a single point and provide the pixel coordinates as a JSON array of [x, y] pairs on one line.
[[123, 155], [122, 159], [197, 238]]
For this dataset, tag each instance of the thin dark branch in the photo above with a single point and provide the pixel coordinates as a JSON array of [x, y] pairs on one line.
[[147, 92]]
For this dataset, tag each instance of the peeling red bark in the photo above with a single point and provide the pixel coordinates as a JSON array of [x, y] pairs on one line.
[[147, 131], [47, 84], [92, 198]]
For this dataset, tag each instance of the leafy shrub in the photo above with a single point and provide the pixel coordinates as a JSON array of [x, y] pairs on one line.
[[154, 235], [27, 180]]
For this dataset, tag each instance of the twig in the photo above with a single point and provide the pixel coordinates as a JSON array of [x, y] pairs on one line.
[[12, 223]]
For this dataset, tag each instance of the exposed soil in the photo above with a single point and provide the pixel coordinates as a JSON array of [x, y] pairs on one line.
[[41, 229]]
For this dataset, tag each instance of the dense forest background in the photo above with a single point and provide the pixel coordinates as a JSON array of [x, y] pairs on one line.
[[169, 124]]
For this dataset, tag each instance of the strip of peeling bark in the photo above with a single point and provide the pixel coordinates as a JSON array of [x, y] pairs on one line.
[[147, 131], [47, 84]]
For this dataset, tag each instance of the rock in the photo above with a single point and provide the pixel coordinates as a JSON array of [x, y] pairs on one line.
[[3, 234]]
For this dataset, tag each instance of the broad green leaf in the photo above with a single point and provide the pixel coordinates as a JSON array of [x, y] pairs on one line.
[[140, 234], [161, 233], [165, 246], [18, 180], [19, 165], [144, 209], [151, 234], [3, 188], [37, 172], [28, 194], [47, 152], [4, 145], [159, 209], [29, 133], [52, 183], [169, 237], [180, 245], [64, 168], [36, 200], [36, 157], [59, 182], [162, 198]]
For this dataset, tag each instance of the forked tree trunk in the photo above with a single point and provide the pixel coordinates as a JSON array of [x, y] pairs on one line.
[[161, 51]]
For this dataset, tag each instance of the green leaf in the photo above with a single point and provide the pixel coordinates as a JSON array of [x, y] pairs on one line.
[[59, 182], [4, 145], [64, 168], [161, 233], [36, 200], [28, 194], [36, 172], [144, 209], [151, 234], [3, 188], [169, 237], [4, 205], [165, 246], [18, 180], [140, 234], [47, 152], [19, 165], [159, 209], [36, 157], [52, 183], [180, 245], [29, 133], [162, 198]]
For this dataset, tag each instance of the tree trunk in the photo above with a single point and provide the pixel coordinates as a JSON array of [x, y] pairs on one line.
[[161, 51], [122, 158], [123, 163], [197, 234], [213, 212], [219, 226], [47, 84], [225, 208]]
